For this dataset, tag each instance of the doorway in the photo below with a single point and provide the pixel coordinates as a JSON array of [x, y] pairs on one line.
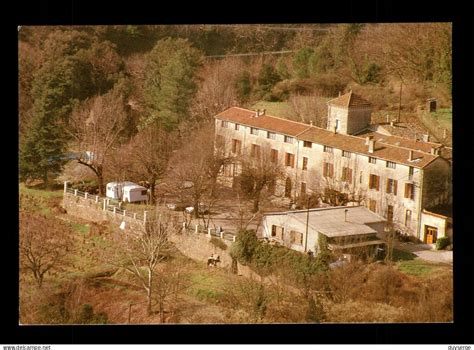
[[288, 188], [431, 234]]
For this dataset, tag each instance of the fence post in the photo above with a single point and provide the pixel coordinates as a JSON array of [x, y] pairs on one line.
[[184, 225], [144, 216], [105, 204], [222, 234], [124, 212], [65, 186], [135, 216], [120, 205], [114, 209], [197, 229], [209, 232], [97, 199], [75, 192], [233, 238], [85, 195]]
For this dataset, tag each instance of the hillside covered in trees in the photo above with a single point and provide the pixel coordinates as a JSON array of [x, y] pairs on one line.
[[127, 80]]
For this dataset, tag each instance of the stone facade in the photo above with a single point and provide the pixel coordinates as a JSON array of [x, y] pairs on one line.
[[416, 186]]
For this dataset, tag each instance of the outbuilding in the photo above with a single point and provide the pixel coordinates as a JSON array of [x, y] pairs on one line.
[[345, 229]]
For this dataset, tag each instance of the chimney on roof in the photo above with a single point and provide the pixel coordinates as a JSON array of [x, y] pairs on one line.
[[410, 155], [367, 139], [335, 129], [263, 112], [432, 104], [434, 151], [392, 123], [311, 122], [258, 113], [371, 146], [339, 93], [345, 214], [444, 133], [387, 117], [426, 138]]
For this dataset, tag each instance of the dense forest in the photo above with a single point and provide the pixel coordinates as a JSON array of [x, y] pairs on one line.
[[172, 79]]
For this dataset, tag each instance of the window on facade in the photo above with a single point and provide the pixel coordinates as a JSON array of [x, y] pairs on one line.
[[279, 231], [346, 154], [372, 160], [255, 151], [390, 213], [307, 144], [271, 187], [409, 191], [327, 149], [328, 170], [290, 160], [296, 237], [410, 173], [303, 188], [274, 156], [225, 124], [237, 126], [236, 146], [392, 186], [346, 175], [254, 131], [228, 170], [374, 181], [408, 218], [391, 165], [220, 140], [305, 163], [271, 135], [372, 205], [289, 139], [235, 168]]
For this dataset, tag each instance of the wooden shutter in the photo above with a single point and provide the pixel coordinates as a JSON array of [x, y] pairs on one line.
[[331, 170], [388, 186], [370, 181], [349, 175], [292, 158], [377, 182], [395, 187], [325, 171], [407, 191]]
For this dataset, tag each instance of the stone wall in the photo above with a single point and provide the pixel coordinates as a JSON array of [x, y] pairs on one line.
[[194, 245], [89, 210]]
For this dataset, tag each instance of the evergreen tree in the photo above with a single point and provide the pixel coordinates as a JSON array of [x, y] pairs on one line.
[[267, 78], [171, 82], [301, 62], [282, 69], [243, 86], [41, 148]]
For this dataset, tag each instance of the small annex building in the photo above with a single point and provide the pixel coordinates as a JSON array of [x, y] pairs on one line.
[[346, 229]]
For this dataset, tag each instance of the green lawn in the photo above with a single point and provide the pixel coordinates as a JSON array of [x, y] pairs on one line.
[[45, 194], [444, 116], [277, 109], [401, 255], [416, 267]]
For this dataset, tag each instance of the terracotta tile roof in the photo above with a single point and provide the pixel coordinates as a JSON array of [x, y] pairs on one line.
[[357, 145], [325, 137], [266, 122], [401, 141], [349, 100]]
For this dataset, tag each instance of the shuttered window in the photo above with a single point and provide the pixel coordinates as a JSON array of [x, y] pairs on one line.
[[409, 191], [392, 186], [328, 170], [374, 181], [347, 175], [290, 160]]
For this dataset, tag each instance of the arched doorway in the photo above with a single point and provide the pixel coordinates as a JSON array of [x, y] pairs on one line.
[[288, 187]]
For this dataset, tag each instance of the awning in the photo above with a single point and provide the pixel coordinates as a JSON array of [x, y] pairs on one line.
[[354, 245]]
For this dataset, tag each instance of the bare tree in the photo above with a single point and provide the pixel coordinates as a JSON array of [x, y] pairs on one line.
[[145, 157], [141, 251], [260, 171], [309, 108], [44, 242], [194, 172], [97, 127]]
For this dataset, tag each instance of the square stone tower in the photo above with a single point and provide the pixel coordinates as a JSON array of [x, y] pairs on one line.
[[348, 114]]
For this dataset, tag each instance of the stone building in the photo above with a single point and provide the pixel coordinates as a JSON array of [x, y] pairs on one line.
[[394, 177]]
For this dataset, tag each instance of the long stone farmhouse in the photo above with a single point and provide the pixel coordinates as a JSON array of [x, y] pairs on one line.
[[396, 177]]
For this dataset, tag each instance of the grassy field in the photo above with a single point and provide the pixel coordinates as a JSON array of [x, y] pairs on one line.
[[444, 116], [277, 109]]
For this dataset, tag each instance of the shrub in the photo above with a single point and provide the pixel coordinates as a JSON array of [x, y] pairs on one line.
[[216, 242], [442, 243]]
